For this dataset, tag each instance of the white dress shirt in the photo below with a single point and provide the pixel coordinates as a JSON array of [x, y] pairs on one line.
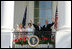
[[39, 27]]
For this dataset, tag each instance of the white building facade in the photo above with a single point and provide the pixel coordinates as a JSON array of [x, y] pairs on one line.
[[12, 13]]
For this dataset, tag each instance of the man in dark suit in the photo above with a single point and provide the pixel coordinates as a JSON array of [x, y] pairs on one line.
[[38, 28], [47, 27]]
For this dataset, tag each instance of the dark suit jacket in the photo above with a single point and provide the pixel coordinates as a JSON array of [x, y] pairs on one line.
[[37, 31], [36, 27], [48, 27]]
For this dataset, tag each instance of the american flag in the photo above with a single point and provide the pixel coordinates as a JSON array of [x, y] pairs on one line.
[[56, 19]]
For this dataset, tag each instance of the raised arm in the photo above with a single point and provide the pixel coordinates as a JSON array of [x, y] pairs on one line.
[[31, 21], [53, 19]]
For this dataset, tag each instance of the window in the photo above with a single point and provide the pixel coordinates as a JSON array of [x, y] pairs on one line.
[[42, 11]]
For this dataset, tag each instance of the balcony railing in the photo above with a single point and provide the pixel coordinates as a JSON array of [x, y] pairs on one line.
[[40, 34]]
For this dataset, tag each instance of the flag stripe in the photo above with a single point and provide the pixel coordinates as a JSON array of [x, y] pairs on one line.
[[56, 18]]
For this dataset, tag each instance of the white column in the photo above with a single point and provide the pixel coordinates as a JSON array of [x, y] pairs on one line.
[[7, 15], [63, 35]]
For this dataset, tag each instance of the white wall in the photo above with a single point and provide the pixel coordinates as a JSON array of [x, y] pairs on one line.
[[20, 9], [54, 4], [30, 12]]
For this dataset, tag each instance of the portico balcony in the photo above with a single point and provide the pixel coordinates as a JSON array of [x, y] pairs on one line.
[[45, 41]]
